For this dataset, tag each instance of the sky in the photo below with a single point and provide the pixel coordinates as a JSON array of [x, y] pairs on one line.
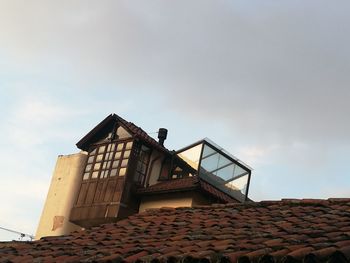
[[266, 80]]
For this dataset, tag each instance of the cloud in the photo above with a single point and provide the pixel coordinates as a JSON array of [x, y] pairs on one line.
[[267, 80]]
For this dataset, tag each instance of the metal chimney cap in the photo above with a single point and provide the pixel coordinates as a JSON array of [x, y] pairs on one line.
[[162, 135]]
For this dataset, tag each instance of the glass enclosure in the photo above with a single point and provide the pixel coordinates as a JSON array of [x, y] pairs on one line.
[[218, 167]]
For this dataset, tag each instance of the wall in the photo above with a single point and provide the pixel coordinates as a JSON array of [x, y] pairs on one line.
[[62, 193], [179, 199], [154, 170]]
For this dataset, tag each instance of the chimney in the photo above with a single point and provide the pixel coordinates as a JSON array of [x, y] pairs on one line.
[[162, 134]]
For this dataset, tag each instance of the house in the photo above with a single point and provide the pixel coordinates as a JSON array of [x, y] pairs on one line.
[[121, 171], [126, 198], [288, 231]]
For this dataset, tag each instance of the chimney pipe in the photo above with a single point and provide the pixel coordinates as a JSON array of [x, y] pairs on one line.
[[162, 134]]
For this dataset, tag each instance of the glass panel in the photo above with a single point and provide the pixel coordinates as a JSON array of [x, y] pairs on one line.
[[122, 171], [210, 163], [115, 164], [120, 146], [108, 147], [220, 170], [97, 166], [109, 156], [192, 155], [223, 161], [86, 176], [101, 149], [88, 168], [226, 173], [93, 152], [112, 147], [239, 171], [91, 159], [128, 146], [208, 151], [99, 157], [106, 165], [94, 174], [126, 154], [104, 174], [239, 184], [117, 155], [124, 163], [113, 172]]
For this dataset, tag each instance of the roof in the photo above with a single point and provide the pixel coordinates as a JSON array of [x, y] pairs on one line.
[[186, 184], [131, 127], [271, 231]]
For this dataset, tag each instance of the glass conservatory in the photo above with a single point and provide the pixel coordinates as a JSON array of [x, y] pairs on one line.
[[218, 167]]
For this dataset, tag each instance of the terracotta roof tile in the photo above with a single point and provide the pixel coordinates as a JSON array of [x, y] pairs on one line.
[[283, 231]]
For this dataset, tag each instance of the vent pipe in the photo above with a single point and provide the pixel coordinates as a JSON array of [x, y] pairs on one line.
[[162, 134]]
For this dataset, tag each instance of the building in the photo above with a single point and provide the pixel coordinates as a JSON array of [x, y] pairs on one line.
[[121, 171]]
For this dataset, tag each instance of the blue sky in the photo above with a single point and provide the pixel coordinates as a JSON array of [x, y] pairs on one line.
[[267, 80]]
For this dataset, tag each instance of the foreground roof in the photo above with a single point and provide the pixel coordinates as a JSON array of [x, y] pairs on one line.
[[271, 231]]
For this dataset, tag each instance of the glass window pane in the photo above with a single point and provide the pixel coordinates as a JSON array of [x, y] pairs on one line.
[[94, 174], [86, 176], [192, 155], [115, 164], [109, 156], [120, 146], [93, 151], [88, 168], [226, 173], [124, 163], [113, 172], [97, 166], [112, 147], [239, 184], [109, 147], [128, 146], [239, 171], [126, 154], [122, 171], [117, 155], [106, 165], [99, 157], [101, 149], [210, 163], [104, 173], [223, 161], [207, 151], [91, 159]]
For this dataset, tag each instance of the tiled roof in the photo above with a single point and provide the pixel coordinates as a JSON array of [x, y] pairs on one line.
[[271, 231], [185, 184], [140, 133]]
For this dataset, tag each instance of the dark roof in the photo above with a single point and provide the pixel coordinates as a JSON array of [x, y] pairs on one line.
[[131, 127], [186, 184], [271, 231]]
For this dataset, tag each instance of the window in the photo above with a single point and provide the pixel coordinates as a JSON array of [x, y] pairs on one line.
[[142, 164], [108, 160]]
